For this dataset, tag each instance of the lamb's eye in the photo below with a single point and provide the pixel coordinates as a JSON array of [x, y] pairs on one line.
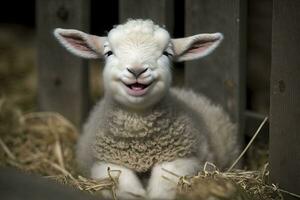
[[167, 54], [109, 53]]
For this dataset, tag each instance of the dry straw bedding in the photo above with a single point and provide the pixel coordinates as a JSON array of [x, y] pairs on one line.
[[43, 143]]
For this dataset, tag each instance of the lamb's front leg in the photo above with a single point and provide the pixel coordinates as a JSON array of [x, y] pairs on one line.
[[159, 187], [129, 186]]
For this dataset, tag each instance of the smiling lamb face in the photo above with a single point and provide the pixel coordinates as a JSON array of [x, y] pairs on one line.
[[137, 72], [138, 57]]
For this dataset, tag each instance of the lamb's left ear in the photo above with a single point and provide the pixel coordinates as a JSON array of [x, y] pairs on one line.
[[81, 44], [196, 46]]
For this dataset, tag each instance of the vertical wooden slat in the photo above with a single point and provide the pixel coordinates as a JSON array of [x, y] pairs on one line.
[[63, 78], [221, 75], [285, 96], [161, 11]]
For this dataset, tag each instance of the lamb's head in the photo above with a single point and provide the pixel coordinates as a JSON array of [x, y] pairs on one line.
[[138, 56]]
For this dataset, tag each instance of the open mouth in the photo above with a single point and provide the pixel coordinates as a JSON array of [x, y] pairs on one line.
[[137, 89]]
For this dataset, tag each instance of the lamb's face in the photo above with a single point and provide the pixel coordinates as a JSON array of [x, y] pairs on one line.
[[138, 59]]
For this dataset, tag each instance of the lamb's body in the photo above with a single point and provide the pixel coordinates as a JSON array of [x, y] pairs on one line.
[[141, 124], [183, 124]]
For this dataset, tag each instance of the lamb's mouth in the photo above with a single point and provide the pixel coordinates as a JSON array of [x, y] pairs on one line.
[[137, 89]]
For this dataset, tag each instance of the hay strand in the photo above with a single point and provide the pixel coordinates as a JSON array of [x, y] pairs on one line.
[[248, 145], [275, 188], [7, 151]]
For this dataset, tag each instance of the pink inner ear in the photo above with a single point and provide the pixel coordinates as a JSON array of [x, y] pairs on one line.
[[77, 42], [200, 46]]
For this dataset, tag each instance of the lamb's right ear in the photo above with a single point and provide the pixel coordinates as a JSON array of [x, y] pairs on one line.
[[81, 44]]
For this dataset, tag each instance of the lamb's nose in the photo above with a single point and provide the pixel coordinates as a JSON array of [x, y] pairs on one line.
[[137, 72]]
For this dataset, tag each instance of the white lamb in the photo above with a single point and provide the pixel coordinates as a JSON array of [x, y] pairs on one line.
[[141, 125]]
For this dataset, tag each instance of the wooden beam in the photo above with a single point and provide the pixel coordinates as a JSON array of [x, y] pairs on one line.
[[161, 12], [285, 96], [15, 184], [221, 75], [62, 77]]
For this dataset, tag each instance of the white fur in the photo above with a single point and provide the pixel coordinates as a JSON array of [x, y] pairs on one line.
[[137, 43], [140, 44], [162, 184]]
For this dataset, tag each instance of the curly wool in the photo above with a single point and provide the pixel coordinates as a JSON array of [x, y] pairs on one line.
[[137, 25], [138, 32], [138, 141], [184, 124]]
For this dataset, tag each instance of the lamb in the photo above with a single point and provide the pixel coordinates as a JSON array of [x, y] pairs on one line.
[[142, 124]]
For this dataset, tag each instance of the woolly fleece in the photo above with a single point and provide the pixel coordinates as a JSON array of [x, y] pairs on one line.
[[172, 129]]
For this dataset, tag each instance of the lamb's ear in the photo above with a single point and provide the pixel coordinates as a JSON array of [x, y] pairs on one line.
[[81, 44], [196, 46]]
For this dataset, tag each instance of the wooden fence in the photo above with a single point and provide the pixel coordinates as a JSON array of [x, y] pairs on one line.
[[285, 96], [63, 78]]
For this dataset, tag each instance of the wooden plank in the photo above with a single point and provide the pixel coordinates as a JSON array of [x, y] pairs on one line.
[[161, 12], [62, 77], [285, 96], [19, 185], [220, 76]]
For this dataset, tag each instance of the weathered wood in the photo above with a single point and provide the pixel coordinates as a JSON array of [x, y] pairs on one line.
[[220, 76], [161, 11], [285, 96], [62, 77], [17, 185]]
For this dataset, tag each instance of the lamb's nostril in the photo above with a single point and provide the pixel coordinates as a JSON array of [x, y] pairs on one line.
[[131, 71], [137, 72], [143, 71]]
